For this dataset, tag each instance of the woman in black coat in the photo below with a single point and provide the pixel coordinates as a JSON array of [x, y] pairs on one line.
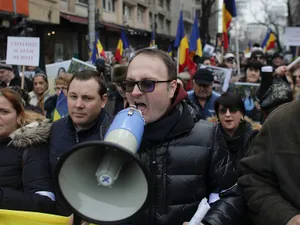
[[25, 180]]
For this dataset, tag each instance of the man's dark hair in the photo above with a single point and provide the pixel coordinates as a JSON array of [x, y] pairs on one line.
[[229, 100], [85, 75], [170, 64]]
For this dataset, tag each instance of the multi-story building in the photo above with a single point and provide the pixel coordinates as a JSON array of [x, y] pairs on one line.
[[39, 13]]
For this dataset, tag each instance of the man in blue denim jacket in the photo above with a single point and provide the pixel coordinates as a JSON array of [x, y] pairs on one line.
[[202, 95]]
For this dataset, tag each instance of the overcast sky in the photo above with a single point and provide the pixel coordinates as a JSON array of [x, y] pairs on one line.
[[255, 7]]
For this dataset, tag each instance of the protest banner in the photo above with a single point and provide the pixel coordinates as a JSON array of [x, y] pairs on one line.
[[23, 51], [208, 50], [291, 36], [54, 70], [78, 65], [221, 77], [247, 92]]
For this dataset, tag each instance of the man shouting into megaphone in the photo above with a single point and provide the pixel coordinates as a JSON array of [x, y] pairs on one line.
[[176, 148]]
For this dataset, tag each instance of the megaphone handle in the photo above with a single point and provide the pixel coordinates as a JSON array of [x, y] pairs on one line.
[[77, 220]]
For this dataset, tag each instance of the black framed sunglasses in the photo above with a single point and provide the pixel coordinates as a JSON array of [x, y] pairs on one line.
[[143, 85], [231, 110], [258, 57]]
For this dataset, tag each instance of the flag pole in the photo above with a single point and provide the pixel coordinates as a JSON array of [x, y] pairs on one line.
[[237, 47], [178, 49], [178, 52]]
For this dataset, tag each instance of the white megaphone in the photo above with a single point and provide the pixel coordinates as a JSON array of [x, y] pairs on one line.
[[103, 181]]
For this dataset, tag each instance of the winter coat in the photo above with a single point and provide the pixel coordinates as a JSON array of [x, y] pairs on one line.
[[208, 109], [25, 178], [64, 136], [35, 101], [270, 171], [50, 105], [183, 169], [234, 148]]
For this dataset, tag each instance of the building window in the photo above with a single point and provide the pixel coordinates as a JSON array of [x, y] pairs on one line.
[[198, 13], [161, 22], [198, 1], [140, 14], [83, 1], [187, 14], [109, 5], [161, 3], [168, 26], [127, 11], [168, 5], [150, 21]]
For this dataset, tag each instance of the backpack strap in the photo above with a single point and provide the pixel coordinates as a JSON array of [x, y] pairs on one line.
[[24, 155]]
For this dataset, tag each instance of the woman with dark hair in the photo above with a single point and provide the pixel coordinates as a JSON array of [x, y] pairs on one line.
[[233, 136], [234, 132], [40, 92], [252, 70], [60, 71], [25, 178]]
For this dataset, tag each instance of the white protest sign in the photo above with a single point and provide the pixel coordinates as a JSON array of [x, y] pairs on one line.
[[54, 70], [23, 51], [208, 50], [221, 75], [292, 36]]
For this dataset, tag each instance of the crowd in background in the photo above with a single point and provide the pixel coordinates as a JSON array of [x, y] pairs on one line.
[[175, 128]]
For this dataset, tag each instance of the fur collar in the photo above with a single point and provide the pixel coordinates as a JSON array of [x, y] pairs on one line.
[[31, 134]]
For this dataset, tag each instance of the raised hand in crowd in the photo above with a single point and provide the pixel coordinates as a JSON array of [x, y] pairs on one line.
[[280, 71]]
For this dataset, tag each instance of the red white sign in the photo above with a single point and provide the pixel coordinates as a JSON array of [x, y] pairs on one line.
[[23, 51]]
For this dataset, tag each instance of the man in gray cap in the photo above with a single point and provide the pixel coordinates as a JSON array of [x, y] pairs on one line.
[[8, 78], [202, 95]]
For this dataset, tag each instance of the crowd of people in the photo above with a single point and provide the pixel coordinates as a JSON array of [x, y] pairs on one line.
[[197, 143]]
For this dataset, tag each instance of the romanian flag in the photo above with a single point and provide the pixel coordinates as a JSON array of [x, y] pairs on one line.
[[229, 11], [98, 50], [152, 42], [170, 50], [195, 41], [61, 109], [269, 41], [182, 43], [122, 45]]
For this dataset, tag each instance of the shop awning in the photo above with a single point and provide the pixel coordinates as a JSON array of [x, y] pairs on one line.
[[74, 19]]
